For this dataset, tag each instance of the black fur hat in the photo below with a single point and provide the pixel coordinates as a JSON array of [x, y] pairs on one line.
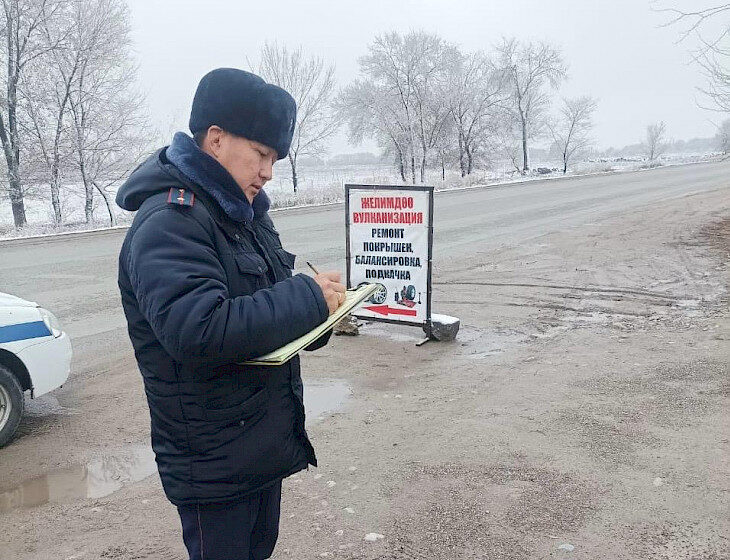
[[245, 105]]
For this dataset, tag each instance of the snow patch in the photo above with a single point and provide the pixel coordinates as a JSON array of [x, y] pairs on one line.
[[444, 319], [372, 537]]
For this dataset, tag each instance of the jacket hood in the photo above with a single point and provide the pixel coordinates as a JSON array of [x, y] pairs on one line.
[[152, 176]]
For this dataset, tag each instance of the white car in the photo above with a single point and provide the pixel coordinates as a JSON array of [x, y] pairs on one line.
[[35, 356]]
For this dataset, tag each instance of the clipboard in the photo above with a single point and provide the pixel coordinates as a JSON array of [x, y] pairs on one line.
[[353, 298]]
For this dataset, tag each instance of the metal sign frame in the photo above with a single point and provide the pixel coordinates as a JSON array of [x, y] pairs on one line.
[[400, 189]]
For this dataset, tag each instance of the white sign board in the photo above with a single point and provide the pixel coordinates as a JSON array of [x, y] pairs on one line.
[[389, 243]]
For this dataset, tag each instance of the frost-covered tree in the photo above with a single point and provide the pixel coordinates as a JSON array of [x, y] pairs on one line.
[[392, 67], [713, 54], [723, 137], [110, 128], [530, 69], [571, 131], [21, 43], [403, 79], [507, 144], [370, 111], [70, 110], [310, 80], [431, 92], [477, 93], [656, 142], [47, 89], [445, 151]]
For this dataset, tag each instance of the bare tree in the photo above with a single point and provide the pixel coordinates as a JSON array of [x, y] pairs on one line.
[[111, 132], [655, 144], [718, 80], [723, 137], [110, 143], [311, 82], [571, 132], [371, 111], [445, 147], [46, 92], [45, 107], [22, 24], [431, 105], [713, 55], [476, 93], [507, 143], [530, 68], [392, 65], [406, 76]]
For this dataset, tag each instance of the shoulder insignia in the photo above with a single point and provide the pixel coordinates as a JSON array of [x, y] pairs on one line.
[[181, 197]]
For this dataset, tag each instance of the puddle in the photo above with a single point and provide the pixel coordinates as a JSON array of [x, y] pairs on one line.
[[321, 397], [93, 480], [473, 342], [114, 470], [479, 344]]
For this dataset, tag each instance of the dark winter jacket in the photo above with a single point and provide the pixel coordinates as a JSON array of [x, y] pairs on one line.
[[201, 294]]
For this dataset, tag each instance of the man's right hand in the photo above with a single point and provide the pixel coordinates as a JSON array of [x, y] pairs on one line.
[[332, 289]]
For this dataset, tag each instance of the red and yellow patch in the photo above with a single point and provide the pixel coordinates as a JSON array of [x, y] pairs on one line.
[[181, 196]]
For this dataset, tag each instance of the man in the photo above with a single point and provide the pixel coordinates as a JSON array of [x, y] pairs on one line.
[[205, 285]]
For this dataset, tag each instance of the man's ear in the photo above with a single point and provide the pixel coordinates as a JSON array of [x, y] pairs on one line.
[[213, 141]]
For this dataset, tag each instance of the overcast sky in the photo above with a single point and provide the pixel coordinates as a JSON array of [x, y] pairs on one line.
[[616, 49]]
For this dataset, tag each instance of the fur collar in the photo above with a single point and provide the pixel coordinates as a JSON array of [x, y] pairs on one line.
[[212, 177]]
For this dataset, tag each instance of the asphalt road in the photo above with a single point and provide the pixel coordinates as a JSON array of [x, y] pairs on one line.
[[584, 402], [75, 276]]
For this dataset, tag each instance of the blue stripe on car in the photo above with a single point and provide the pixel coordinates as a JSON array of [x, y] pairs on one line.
[[23, 331]]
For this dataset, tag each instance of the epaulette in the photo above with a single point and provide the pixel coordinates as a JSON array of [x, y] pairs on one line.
[[181, 197]]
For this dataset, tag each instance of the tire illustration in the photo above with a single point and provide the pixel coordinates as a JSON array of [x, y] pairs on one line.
[[411, 292], [11, 405]]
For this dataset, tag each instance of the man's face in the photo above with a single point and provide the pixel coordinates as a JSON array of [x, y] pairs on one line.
[[249, 163]]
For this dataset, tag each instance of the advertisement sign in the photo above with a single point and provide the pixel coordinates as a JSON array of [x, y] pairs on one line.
[[389, 243]]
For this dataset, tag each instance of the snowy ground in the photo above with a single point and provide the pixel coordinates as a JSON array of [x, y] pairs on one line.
[[320, 185]]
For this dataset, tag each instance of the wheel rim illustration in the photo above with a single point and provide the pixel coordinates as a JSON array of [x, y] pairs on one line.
[[380, 294]]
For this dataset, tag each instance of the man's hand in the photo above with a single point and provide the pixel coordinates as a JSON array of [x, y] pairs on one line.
[[333, 291]]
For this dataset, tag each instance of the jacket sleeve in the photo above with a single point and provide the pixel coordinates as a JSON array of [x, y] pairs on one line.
[[181, 289], [321, 342]]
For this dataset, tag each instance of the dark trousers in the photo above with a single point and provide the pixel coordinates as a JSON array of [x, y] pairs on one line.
[[246, 529]]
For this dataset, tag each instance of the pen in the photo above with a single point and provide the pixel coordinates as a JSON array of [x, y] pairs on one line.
[[310, 265]]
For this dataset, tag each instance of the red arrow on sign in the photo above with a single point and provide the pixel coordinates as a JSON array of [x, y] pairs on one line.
[[385, 310]]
